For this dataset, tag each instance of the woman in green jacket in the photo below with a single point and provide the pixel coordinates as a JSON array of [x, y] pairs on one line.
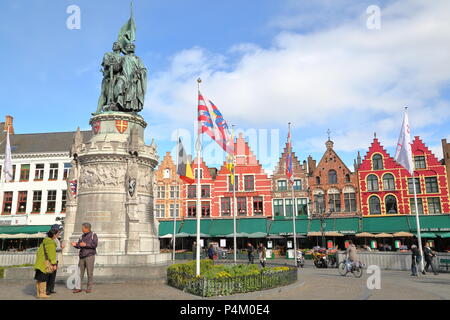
[[41, 275]]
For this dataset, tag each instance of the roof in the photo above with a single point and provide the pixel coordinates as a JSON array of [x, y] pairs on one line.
[[42, 142]]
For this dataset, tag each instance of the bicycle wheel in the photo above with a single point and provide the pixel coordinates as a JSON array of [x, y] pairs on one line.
[[342, 268], [357, 272]]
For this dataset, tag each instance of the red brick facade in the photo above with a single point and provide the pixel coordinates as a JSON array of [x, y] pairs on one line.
[[386, 188], [332, 186]]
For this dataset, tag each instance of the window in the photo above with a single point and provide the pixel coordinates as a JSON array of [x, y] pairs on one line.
[[206, 191], [22, 202], [412, 205], [391, 204], [434, 206], [7, 202], [24, 172], [249, 183], [53, 174], [388, 182], [174, 192], [317, 180], [166, 174], [242, 205], [192, 209], [160, 210], [420, 162], [288, 207], [332, 177], [66, 172], [431, 185], [334, 202], [377, 162], [51, 201], [278, 209], [39, 172], [205, 209], [14, 172], [372, 183], [37, 198], [347, 178], [63, 200], [350, 201], [411, 186], [201, 173], [374, 205], [302, 206], [174, 208], [236, 183], [192, 192], [225, 206], [257, 205], [297, 185], [282, 185], [319, 203], [1, 171], [160, 192]]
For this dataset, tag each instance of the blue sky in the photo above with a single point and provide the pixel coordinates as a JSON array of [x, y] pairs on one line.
[[263, 63]]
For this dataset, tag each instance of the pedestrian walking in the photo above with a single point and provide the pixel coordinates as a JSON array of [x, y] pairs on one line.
[[59, 246], [429, 256], [45, 263], [87, 244], [211, 252], [262, 255], [250, 256], [415, 259]]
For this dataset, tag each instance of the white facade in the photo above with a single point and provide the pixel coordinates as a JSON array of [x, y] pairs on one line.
[[52, 190]]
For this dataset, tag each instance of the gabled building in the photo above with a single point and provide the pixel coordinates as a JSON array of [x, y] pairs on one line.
[[167, 201], [333, 187], [252, 185], [282, 188], [386, 187]]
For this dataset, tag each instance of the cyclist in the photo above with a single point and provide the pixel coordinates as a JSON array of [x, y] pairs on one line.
[[351, 253]]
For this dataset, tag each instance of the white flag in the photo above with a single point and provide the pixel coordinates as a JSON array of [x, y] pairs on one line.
[[8, 168], [403, 154]]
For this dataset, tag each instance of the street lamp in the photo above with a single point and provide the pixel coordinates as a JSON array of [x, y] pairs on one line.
[[321, 214]]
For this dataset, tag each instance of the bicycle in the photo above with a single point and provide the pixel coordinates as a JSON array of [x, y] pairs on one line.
[[354, 267]]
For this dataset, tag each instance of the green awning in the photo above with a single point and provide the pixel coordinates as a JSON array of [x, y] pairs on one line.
[[444, 235], [24, 229], [222, 227], [252, 225], [431, 223], [285, 227], [387, 224], [257, 235], [427, 234], [190, 226], [166, 227]]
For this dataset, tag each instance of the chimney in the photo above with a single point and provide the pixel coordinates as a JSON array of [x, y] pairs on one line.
[[311, 165], [9, 124]]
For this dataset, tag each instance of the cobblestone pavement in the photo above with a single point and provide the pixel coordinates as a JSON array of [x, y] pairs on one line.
[[313, 283]]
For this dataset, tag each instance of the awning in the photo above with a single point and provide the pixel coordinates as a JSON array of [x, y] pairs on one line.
[[22, 232], [384, 235], [340, 225], [284, 227], [388, 224], [444, 235], [238, 235], [333, 234], [221, 227], [257, 235], [403, 234], [365, 235], [190, 227], [166, 227], [427, 235], [252, 225]]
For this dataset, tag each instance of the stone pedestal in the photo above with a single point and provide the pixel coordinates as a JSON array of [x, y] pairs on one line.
[[115, 192]]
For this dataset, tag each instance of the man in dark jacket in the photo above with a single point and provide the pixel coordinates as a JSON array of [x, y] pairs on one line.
[[87, 245], [415, 259], [250, 253], [429, 255]]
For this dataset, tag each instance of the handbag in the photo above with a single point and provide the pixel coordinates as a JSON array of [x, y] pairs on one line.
[[48, 265]]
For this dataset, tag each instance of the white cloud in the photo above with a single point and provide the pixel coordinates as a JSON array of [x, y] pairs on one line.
[[346, 77]]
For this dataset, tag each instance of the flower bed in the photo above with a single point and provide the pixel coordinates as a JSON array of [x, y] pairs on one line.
[[220, 280]]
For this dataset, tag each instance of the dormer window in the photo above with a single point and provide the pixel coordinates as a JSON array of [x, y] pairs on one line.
[[377, 162], [166, 173]]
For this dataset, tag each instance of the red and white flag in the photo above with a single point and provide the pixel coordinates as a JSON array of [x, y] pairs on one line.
[[211, 122], [7, 167], [403, 154]]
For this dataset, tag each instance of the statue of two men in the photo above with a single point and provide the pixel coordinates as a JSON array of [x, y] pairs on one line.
[[124, 80]]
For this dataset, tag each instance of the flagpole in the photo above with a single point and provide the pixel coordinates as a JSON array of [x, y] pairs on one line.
[[293, 198], [234, 200], [176, 200], [198, 211], [419, 236]]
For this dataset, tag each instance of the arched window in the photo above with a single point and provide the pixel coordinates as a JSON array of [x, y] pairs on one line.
[[372, 183], [317, 180], [391, 204], [377, 162], [334, 200], [388, 182], [347, 178], [374, 205], [332, 176]]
